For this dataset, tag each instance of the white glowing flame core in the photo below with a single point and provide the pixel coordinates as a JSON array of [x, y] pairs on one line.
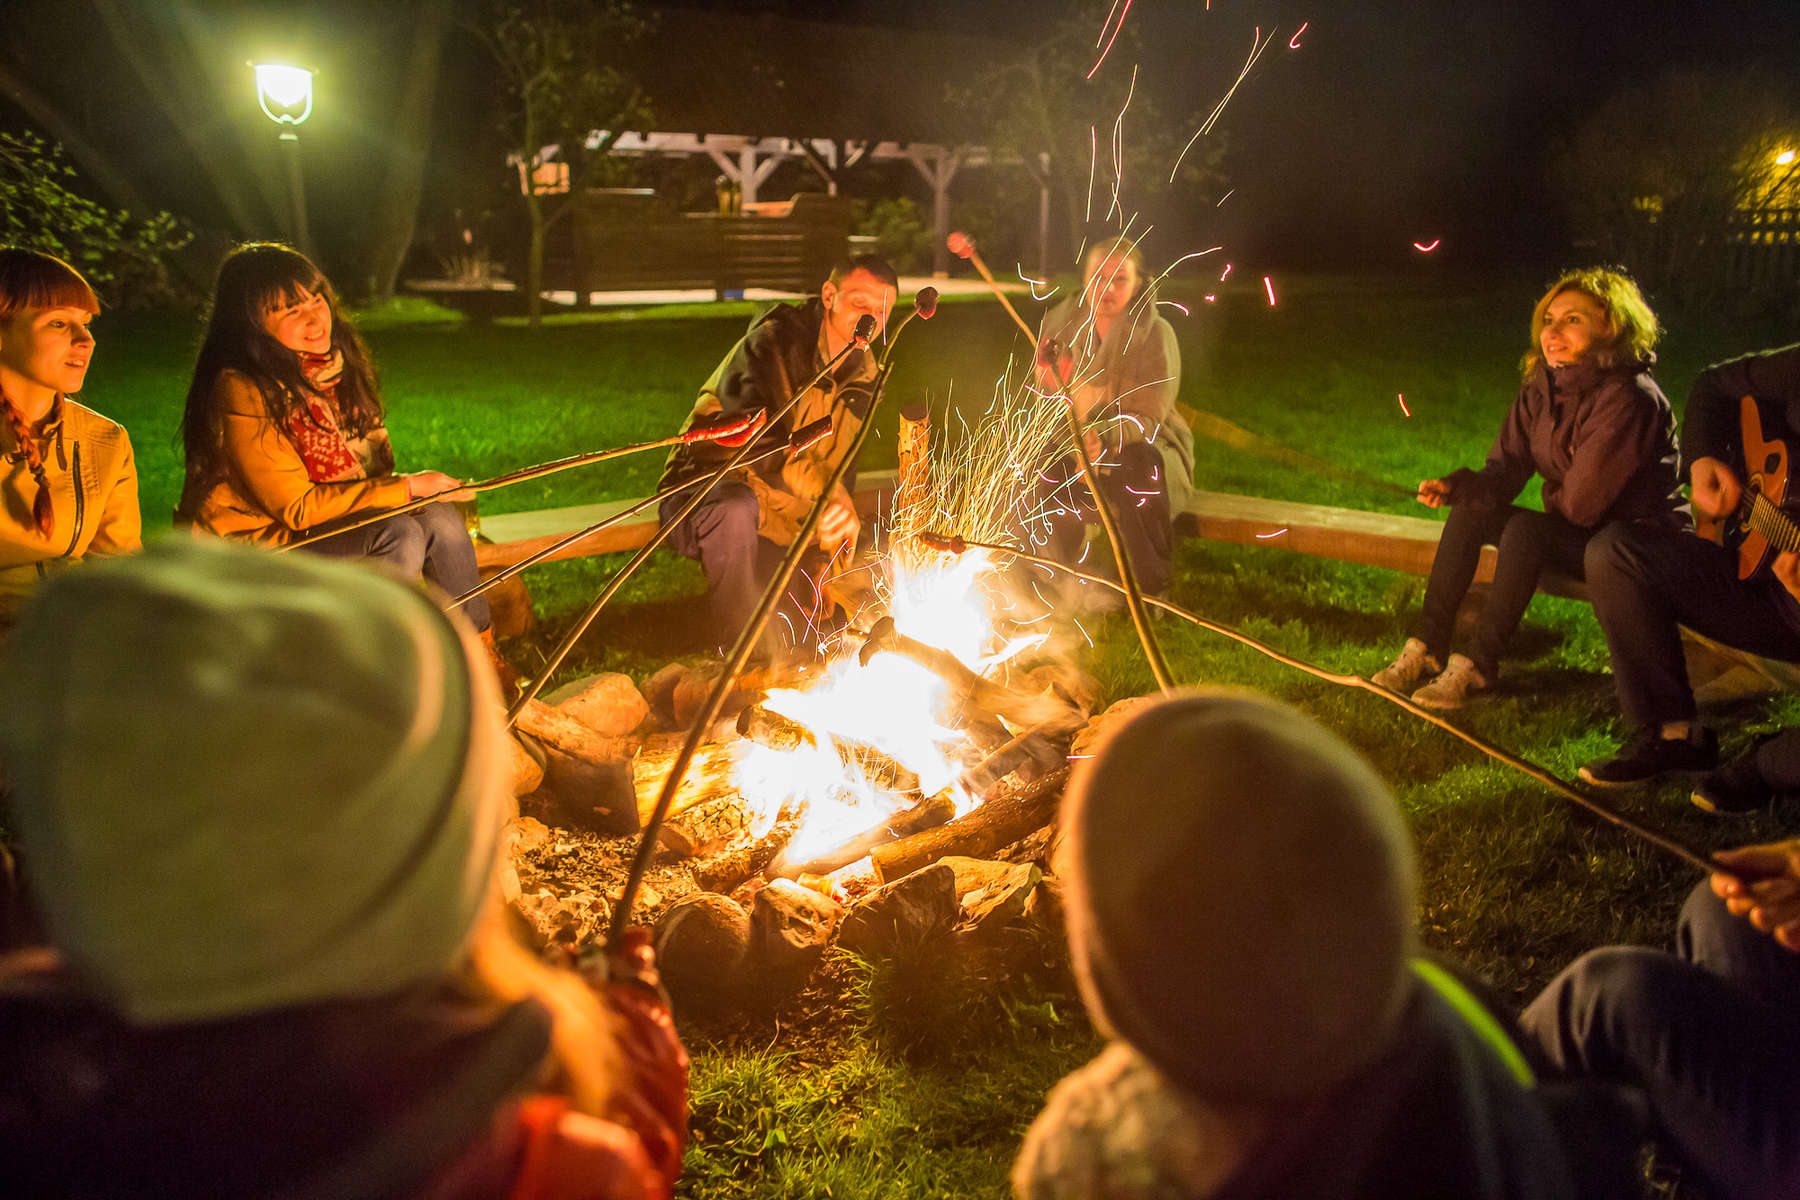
[[892, 704]]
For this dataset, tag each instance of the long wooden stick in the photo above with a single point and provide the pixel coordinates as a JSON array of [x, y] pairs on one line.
[[700, 434], [748, 638], [956, 545], [564, 543], [1134, 595]]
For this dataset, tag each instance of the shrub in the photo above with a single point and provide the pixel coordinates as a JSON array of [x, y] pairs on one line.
[[126, 259]]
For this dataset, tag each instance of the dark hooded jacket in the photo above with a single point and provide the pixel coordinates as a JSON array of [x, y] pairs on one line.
[[1603, 438]]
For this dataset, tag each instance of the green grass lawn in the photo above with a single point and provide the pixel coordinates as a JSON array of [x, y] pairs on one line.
[[843, 1096]]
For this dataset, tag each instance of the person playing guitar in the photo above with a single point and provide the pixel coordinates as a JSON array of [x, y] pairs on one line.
[[1742, 590]]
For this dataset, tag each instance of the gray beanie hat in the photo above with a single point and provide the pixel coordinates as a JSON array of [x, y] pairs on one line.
[[245, 780], [1240, 897]]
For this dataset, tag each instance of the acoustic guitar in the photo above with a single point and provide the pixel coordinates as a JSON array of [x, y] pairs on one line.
[[1760, 528]]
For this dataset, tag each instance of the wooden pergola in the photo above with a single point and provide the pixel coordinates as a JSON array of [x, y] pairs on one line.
[[748, 160]]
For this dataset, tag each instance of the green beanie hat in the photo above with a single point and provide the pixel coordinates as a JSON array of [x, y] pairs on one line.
[[1240, 897], [245, 780]]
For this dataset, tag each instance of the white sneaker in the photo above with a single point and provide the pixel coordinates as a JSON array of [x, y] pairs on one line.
[[1460, 681], [1405, 672]]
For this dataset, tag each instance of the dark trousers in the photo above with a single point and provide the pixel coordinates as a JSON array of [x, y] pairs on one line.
[[1648, 580], [1528, 541], [1708, 1033], [721, 534], [431, 543], [1139, 498]]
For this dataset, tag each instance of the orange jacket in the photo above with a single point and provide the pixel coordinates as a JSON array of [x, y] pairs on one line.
[[266, 495], [93, 496]]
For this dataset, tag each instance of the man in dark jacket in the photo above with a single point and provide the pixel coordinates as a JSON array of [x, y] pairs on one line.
[[1647, 582], [740, 529]]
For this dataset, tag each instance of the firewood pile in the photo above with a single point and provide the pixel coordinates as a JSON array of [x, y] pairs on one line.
[[742, 894]]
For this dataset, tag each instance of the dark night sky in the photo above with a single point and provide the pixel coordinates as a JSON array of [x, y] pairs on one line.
[[1394, 119]]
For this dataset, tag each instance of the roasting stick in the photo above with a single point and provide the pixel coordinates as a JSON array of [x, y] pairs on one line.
[[706, 434], [703, 486], [802, 439], [960, 244], [747, 639], [956, 545]]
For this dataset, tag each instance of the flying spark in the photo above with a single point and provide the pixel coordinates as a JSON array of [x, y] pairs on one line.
[[1269, 287], [1403, 407], [1224, 198], [1427, 247], [1258, 44], [1276, 534], [1225, 274], [1294, 42], [1115, 35]]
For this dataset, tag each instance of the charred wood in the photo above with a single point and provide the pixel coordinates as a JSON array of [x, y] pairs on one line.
[[995, 823]]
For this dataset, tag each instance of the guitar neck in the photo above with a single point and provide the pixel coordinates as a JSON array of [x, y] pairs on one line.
[[1776, 527]]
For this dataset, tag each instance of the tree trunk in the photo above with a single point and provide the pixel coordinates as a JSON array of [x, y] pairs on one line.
[[396, 209], [534, 263]]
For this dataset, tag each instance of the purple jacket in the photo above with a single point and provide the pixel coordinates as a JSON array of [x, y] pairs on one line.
[[1603, 438]]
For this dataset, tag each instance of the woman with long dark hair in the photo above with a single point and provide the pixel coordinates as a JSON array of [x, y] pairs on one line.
[[68, 483], [284, 431]]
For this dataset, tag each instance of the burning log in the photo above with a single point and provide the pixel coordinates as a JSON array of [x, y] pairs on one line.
[[1030, 748], [915, 456], [926, 814], [768, 728], [708, 778], [993, 825], [708, 826], [1047, 713], [730, 867]]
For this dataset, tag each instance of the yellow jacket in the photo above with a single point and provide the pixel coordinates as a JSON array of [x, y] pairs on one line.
[[93, 497], [266, 495]]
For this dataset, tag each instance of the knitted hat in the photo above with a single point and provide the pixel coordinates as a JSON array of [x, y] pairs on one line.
[[245, 780], [1240, 897]]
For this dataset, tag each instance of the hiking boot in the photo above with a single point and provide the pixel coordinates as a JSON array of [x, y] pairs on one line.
[[1649, 755], [1736, 787], [1459, 682], [1407, 670]]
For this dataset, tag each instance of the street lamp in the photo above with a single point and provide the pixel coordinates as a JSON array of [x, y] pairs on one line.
[[286, 95]]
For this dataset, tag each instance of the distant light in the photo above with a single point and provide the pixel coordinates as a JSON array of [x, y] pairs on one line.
[[285, 93], [1784, 158]]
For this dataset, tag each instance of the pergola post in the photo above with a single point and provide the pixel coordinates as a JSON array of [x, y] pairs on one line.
[[939, 168]]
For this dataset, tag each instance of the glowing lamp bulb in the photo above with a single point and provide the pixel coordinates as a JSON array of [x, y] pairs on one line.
[[285, 93], [1784, 158]]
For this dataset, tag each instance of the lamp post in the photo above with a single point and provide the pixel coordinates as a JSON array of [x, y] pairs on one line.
[[286, 96]]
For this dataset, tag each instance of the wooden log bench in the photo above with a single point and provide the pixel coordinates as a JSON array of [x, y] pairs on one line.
[[1399, 543]]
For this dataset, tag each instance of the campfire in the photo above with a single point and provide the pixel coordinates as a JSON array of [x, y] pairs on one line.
[[935, 727]]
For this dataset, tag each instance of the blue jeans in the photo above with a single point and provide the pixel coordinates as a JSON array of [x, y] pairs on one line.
[[1139, 499], [1710, 1034], [432, 543]]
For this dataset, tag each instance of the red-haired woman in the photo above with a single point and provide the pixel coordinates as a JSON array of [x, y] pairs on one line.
[[1591, 421], [68, 483], [284, 431]]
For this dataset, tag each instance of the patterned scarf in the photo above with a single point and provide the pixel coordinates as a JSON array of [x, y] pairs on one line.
[[330, 454]]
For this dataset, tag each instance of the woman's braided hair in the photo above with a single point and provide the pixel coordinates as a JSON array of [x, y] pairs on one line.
[[29, 280]]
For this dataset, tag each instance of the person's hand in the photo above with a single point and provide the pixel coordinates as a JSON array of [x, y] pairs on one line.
[[1786, 568], [839, 524], [1434, 493], [1715, 488], [437, 485], [1762, 883]]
